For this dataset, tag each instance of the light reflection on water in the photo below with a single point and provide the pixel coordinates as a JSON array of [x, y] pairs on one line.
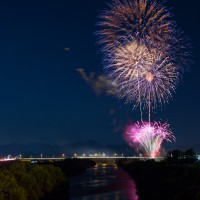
[[103, 182]]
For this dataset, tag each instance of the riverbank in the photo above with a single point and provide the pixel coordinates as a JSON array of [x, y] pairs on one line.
[[42, 180], [69, 167], [164, 180], [24, 181]]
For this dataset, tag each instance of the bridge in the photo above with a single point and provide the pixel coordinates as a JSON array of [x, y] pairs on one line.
[[109, 160]]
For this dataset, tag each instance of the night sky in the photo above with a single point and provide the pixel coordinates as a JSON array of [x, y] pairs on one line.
[[43, 98]]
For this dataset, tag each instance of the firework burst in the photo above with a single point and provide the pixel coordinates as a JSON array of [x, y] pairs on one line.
[[144, 75], [146, 19], [145, 54], [149, 136]]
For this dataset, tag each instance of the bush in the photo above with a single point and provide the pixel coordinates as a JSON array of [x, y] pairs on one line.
[[23, 181], [165, 180]]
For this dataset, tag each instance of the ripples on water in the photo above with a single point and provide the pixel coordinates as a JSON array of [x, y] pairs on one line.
[[103, 182]]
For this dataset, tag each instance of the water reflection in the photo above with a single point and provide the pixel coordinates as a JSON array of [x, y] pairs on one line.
[[103, 182]]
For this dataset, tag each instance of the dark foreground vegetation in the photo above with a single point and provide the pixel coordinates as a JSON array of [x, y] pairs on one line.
[[172, 179], [42, 180], [23, 181], [70, 167], [74, 166]]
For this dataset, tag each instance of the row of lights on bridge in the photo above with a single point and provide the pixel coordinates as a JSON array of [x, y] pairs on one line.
[[82, 155], [97, 155], [42, 156]]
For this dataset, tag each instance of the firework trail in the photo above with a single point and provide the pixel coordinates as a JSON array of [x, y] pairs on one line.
[[149, 135]]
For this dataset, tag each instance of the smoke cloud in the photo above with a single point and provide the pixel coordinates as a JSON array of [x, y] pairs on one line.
[[99, 84]]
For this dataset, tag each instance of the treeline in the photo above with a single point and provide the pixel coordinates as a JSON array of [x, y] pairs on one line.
[[24, 181], [165, 180], [188, 156], [46, 180]]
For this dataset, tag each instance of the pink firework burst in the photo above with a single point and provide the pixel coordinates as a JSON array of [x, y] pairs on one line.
[[149, 135]]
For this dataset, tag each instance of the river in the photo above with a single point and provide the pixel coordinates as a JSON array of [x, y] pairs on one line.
[[103, 182]]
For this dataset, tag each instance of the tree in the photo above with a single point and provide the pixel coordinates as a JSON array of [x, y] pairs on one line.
[[175, 154]]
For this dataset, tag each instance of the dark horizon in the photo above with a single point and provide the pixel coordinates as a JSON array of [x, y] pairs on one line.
[[84, 149]]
